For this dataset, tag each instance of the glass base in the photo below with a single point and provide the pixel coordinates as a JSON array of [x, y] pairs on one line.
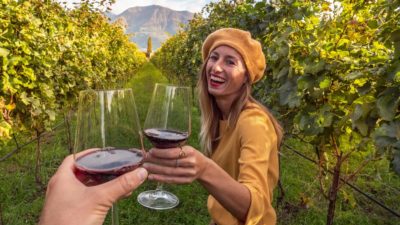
[[158, 199]]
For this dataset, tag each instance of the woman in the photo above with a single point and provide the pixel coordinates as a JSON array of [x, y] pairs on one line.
[[238, 134]]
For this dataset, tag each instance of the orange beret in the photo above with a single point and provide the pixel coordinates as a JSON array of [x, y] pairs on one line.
[[241, 41]]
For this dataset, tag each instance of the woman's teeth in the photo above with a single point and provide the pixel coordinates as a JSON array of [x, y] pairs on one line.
[[217, 79]]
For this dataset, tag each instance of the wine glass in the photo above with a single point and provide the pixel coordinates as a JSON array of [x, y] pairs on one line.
[[108, 138], [167, 125]]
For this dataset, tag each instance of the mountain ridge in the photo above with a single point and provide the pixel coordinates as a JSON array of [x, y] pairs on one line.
[[155, 21]]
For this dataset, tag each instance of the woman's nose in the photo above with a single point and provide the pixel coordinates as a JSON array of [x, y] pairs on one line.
[[217, 67]]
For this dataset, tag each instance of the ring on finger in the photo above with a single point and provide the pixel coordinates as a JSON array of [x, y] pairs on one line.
[[182, 153], [177, 163]]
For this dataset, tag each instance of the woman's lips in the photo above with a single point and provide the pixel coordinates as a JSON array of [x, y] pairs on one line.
[[216, 81]]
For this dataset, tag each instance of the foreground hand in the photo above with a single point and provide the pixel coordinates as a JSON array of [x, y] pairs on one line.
[[175, 165], [68, 201]]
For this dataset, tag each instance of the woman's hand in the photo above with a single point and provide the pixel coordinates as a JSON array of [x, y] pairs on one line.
[[68, 201], [175, 165]]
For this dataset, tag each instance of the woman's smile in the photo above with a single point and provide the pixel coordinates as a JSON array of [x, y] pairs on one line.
[[216, 81], [226, 72]]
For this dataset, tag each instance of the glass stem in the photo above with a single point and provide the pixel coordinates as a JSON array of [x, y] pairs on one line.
[[114, 215], [159, 186]]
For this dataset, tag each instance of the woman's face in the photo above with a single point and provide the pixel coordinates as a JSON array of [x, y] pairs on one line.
[[226, 72]]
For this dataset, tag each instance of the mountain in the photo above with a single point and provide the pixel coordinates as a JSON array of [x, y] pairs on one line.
[[155, 21]]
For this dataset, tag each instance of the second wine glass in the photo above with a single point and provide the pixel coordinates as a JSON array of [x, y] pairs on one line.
[[167, 125]]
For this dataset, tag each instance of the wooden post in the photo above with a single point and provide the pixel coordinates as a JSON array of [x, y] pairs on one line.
[[38, 163]]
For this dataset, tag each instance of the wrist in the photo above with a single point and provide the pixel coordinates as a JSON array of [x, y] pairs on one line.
[[204, 176]]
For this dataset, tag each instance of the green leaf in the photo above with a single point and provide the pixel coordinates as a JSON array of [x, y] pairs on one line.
[[5, 130], [325, 83], [391, 130], [288, 94], [283, 72], [305, 82], [365, 99], [51, 114], [362, 126], [357, 113], [387, 106], [314, 68], [4, 52], [396, 162]]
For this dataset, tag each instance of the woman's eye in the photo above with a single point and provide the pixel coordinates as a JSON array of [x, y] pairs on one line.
[[214, 58], [230, 62]]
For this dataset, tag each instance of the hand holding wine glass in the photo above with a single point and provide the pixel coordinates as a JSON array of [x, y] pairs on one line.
[[108, 140], [90, 204], [167, 125]]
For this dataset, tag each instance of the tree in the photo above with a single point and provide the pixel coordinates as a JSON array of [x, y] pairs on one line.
[[149, 47]]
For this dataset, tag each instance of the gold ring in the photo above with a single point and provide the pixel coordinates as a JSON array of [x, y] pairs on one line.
[[182, 153], [176, 163]]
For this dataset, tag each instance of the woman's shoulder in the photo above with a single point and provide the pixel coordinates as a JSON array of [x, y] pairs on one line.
[[253, 110], [252, 115], [255, 124]]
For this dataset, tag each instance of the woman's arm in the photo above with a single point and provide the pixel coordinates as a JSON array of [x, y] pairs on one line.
[[232, 195]]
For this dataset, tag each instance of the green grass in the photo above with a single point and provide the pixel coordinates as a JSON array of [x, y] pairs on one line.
[[142, 85], [305, 205], [21, 199]]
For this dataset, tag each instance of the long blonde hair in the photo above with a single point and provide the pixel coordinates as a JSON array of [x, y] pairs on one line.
[[210, 114]]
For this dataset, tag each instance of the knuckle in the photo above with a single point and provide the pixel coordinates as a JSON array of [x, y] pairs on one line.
[[192, 161]]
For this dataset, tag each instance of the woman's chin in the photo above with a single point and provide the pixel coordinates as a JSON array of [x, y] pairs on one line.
[[215, 91]]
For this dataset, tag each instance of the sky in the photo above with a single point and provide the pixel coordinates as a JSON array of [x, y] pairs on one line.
[[180, 5]]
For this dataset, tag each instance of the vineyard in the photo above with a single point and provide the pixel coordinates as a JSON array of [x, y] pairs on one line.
[[333, 75], [332, 80]]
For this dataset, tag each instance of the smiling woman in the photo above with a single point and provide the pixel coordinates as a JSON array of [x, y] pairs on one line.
[[239, 136]]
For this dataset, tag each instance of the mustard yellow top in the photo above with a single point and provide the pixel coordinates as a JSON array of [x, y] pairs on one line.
[[248, 153]]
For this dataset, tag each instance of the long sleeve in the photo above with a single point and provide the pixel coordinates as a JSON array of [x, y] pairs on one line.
[[249, 154], [257, 166]]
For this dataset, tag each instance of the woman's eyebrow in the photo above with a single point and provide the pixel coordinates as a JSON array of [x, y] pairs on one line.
[[232, 57]]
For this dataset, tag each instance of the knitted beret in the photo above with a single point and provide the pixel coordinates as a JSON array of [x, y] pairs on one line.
[[241, 41]]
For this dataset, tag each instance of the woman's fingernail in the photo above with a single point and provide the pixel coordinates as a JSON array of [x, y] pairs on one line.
[[142, 173]]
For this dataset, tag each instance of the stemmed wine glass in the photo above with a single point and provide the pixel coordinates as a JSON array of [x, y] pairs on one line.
[[167, 125], [108, 139]]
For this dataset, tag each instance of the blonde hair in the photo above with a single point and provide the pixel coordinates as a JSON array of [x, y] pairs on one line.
[[210, 114]]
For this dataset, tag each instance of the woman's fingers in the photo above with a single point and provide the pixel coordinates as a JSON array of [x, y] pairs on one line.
[[174, 162], [171, 179], [171, 153], [169, 170]]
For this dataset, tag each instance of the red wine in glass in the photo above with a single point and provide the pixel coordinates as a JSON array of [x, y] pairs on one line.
[[107, 137], [100, 166], [165, 138], [167, 125]]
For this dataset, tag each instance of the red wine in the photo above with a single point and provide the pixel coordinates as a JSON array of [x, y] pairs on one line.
[[100, 166], [163, 138]]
